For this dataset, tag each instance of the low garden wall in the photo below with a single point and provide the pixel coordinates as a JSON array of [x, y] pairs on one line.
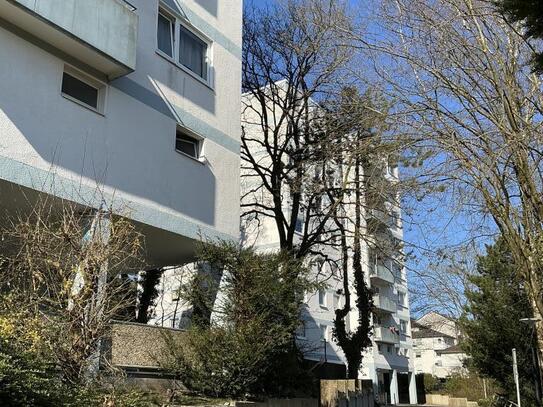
[[133, 345], [445, 400], [343, 393]]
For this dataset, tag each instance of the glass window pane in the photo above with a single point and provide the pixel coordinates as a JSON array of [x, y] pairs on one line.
[[186, 144], [192, 52], [79, 90], [165, 35]]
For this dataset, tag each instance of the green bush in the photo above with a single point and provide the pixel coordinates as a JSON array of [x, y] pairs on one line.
[[432, 384], [250, 349], [28, 376]]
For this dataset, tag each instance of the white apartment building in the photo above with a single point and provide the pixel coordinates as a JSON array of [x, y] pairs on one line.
[[132, 105], [436, 346], [388, 363]]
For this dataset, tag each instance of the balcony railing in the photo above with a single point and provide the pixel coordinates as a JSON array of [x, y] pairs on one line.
[[101, 34], [386, 334], [384, 303], [386, 217], [382, 273]]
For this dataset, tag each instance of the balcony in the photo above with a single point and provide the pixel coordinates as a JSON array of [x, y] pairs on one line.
[[386, 335], [384, 303], [388, 217], [100, 34], [380, 273]]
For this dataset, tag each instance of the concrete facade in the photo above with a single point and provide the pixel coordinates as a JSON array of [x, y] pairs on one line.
[[123, 154], [388, 362]]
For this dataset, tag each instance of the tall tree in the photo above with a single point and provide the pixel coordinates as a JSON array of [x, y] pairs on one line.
[[530, 14], [496, 303], [294, 55], [367, 189], [476, 108]]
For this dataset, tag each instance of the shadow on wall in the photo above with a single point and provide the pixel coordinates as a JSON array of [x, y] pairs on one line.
[[321, 355], [209, 5], [130, 149]]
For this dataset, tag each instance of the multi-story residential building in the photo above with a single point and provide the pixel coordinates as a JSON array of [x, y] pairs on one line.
[[130, 105], [436, 346], [388, 361]]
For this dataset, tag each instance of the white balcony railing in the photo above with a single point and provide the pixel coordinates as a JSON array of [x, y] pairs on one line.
[[386, 334], [382, 273], [384, 302], [101, 34]]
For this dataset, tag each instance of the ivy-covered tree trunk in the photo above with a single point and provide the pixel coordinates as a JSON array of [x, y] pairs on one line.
[[149, 293], [354, 342]]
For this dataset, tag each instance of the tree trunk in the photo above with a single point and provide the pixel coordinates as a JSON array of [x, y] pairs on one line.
[[151, 278]]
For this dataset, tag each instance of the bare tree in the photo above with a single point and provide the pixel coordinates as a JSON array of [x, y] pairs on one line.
[[468, 97], [66, 265], [293, 58]]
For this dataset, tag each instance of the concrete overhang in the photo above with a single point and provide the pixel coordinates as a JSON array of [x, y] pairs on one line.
[[101, 34]]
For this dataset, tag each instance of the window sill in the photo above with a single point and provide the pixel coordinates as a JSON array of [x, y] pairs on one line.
[[201, 160], [74, 100], [184, 69]]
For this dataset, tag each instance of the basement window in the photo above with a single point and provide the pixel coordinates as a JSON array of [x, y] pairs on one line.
[[82, 89], [187, 144]]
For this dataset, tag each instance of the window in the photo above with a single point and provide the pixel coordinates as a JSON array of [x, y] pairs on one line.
[[403, 326], [418, 355], [401, 298], [186, 144], [379, 349], [82, 89], [336, 301], [183, 45], [193, 52], [389, 349], [299, 224], [322, 298], [165, 34]]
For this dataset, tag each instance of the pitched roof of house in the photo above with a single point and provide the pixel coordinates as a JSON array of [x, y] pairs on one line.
[[429, 333], [415, 324], [452, 349]]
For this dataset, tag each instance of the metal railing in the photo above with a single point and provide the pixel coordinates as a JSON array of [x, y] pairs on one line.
[[385, 334], [384, 302], [382, 272]]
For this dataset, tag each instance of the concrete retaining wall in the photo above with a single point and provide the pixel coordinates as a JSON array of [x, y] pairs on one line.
[[138, 345], [458, 402], [343, 393], [437, 399], [445, 400]]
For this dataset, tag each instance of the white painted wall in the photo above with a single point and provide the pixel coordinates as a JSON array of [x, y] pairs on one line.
[[263, 235], [130, 148]]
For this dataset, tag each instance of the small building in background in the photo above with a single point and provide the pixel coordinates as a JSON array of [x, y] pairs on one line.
[[436, 346]]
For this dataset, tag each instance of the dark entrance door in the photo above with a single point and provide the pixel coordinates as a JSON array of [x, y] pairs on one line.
[[387, 378], [403, 387]]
